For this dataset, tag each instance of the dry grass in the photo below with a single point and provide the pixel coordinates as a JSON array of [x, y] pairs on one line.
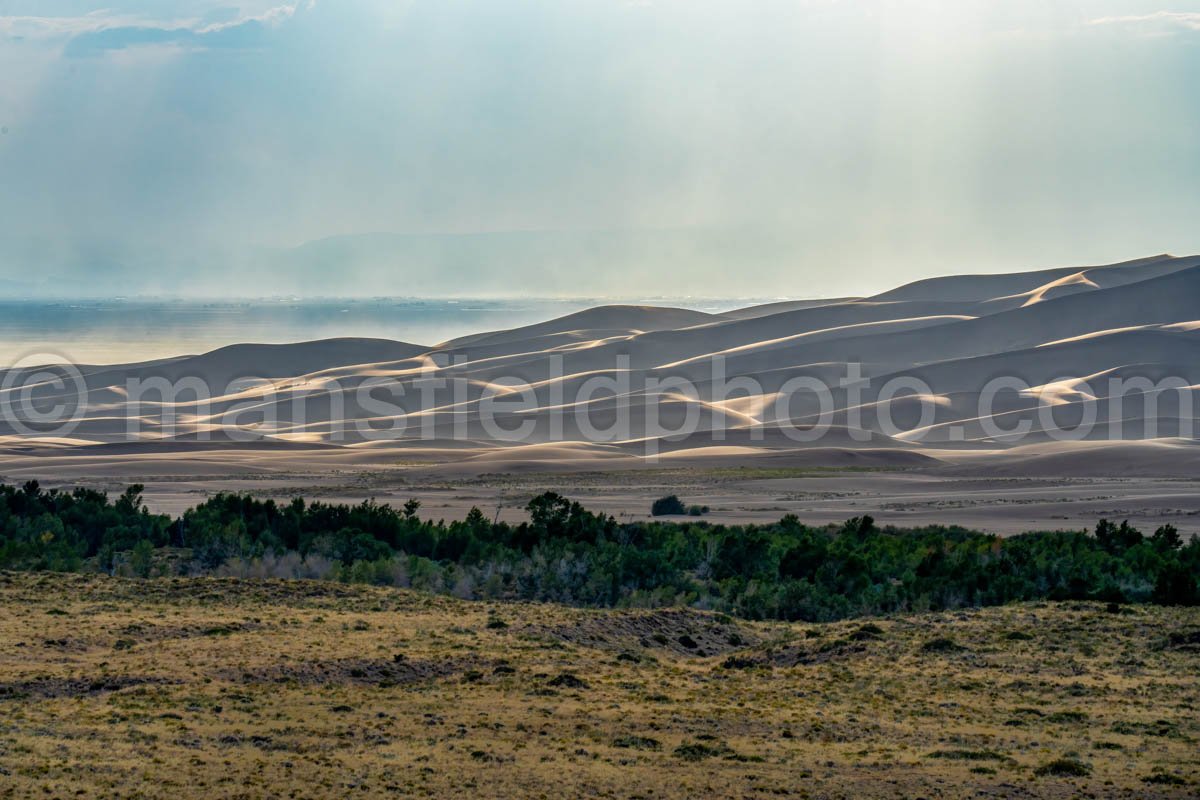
[[221, 688]]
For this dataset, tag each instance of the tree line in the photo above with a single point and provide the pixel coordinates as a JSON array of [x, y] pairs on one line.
[[566, 553]]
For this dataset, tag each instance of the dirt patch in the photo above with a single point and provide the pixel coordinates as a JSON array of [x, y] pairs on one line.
[[75, 687], [806, 653], [396, 671], [139, 632], [1187, 641], [65, 645], [681, 631]]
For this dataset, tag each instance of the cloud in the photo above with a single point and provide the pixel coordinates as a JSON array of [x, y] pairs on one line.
[[98, 32], [1189, 20], [29, 27]]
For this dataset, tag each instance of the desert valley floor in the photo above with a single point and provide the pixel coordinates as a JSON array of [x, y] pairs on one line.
[[988, 498]]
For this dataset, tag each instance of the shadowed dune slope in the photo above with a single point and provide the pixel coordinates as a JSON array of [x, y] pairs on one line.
[[613, 318]]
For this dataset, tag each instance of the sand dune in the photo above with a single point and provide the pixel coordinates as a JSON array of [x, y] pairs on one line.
[[601, 387], [768, 309], [993, 288], [616, 318], [1108, 459]]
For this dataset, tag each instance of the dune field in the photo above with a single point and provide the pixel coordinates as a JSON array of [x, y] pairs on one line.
[[1044, 398]]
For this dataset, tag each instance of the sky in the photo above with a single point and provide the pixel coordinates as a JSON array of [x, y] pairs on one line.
[[587, 147]]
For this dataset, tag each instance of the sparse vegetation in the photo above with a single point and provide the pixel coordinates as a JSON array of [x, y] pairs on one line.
[[183, 687], [970, 755]]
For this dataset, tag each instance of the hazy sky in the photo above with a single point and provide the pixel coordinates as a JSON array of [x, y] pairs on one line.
[[637, 147]]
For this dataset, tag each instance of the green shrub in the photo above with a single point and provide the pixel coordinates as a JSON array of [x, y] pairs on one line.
[[670, 505], [141, 560], [637, 743], [698, 751], [1164, 779], [1064, 767]]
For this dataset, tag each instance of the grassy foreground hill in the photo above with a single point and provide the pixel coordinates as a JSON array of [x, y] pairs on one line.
[[209, 687]]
